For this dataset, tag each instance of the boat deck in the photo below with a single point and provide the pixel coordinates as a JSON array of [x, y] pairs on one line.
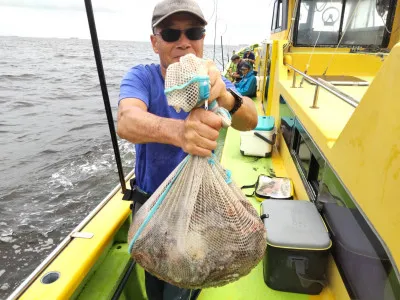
[[88, 272], [245, 170]]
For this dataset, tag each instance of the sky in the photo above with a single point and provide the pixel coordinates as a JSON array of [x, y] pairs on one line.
[[130, 19]]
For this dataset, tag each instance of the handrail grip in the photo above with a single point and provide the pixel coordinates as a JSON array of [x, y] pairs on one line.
[[327, 86]]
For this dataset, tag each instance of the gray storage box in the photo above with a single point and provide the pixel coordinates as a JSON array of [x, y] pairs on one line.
[[297, 246]]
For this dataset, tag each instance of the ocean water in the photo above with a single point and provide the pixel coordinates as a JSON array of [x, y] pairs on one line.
[[56, 157]]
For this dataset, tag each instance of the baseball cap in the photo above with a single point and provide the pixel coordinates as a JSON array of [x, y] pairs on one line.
[[235, 56], [166, 8]]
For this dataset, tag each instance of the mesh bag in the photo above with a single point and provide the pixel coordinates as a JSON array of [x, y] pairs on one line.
[[197, 230], [184, 83]]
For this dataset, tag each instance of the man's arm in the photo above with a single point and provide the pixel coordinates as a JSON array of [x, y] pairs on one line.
[[196, 135], [245, 118], [138, 126]]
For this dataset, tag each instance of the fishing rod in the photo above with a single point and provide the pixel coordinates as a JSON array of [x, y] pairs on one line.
[[103, 85], [222, 49]]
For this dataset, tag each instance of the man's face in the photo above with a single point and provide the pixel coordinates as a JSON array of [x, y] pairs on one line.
[[236, 61], [170, 52]]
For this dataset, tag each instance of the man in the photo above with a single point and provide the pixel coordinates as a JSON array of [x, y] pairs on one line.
[[163, 137], [248, 85], [249, 56], [236, 60]]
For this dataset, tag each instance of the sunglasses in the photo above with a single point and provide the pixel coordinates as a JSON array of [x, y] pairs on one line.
[[170, 35]]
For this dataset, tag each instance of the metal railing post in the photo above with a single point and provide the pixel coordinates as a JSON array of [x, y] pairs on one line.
[[315, 101], [294, 79]]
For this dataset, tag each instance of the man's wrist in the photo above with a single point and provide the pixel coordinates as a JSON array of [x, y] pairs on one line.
[[179, 133], [227, 100]]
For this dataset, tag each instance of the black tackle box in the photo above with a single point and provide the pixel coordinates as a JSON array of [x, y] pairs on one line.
[[297, 246]]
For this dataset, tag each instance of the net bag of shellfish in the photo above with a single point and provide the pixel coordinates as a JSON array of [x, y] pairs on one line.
[[197, 230]]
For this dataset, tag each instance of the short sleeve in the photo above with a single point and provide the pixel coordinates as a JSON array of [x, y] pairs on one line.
[[135, 84]]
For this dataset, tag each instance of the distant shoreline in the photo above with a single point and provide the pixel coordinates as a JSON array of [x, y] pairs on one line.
[[88, 39]]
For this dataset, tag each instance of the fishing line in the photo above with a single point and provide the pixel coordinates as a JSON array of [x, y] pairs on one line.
[[209, 19], [341, 38], [309, 59], [215, 26], [381, 16]]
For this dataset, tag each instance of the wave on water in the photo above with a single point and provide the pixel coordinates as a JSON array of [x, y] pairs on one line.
[[86, 126], [19, 104], [17, 77]]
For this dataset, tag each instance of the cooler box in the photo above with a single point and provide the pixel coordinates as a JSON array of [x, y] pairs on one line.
[[297, 246], [258, 142]]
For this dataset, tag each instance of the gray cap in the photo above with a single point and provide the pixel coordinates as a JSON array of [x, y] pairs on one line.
[[235, 56], [166, 8]]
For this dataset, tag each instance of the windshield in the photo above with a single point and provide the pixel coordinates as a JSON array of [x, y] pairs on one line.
[[362, 22]]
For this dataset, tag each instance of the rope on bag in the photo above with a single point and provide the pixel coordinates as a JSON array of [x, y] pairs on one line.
[[158, 203]]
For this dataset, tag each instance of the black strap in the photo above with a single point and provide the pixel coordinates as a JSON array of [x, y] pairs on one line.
[[248, 187], [134, 194], [259, 135]]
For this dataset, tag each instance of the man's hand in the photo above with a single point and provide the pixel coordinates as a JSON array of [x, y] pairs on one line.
[[236, 75], [200, 132], [218, 88]]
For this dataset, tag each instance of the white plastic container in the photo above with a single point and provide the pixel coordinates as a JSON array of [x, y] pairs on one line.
[[259, 142]]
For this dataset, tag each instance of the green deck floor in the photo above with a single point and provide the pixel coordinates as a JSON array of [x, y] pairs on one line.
[[245, 171]]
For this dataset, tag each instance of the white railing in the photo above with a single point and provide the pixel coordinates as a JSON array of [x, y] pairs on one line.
[[324, 84]]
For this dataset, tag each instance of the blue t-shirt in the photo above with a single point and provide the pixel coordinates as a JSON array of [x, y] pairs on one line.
[[249, 55], [154, 161]]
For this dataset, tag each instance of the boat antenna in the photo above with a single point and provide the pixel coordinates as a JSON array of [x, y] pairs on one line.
[[103, 85], [341, 38]]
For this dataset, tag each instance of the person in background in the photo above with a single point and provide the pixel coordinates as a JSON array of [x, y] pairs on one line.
[[163, 137], [231, 70], [249, 56], [238, 62], [248, 85]]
